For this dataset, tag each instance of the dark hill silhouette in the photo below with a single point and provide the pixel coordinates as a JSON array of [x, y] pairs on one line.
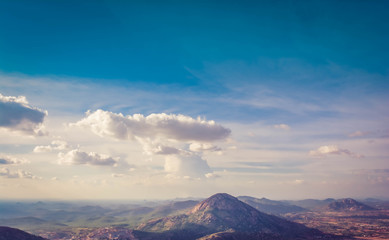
[[7, 233]]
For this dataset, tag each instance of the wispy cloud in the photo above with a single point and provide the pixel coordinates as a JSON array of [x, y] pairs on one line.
[[324, 151], [359, 134], [282, 126]]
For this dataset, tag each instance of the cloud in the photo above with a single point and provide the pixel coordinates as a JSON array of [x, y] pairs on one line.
[[168, 126], [17, 115], [8, 160], [203, 147], [77, 157], [282, 126], [5, 172], [191, 165], [335, 150], [180, 138], [55, 145]]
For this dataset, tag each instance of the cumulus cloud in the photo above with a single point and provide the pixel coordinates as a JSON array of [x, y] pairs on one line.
[[191, 165], [180, 138], [17, 115], [55, 145], [282, 126], [8, 160], [77, 157], [334, 150], [169, 126], [5, 172]]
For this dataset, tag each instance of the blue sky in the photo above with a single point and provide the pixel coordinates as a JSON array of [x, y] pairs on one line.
[[301, 86]]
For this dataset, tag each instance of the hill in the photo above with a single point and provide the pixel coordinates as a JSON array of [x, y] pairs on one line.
[[348, 204], [224, 214]]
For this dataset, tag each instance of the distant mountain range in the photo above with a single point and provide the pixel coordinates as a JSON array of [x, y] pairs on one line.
[[270, 206]]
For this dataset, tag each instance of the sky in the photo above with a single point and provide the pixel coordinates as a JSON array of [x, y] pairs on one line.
[[175, 99]]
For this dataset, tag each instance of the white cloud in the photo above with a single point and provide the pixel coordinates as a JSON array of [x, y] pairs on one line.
[[168, 126], [77, 157], [162, 134], [55, 145], [203, 147], [5, 172], [335, 150], [282, 126], [7, 160], [17, 115], [191, 165]]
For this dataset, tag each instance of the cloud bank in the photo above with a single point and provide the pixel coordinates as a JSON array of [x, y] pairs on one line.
[[17, 115], [77, 157], [324, 151]]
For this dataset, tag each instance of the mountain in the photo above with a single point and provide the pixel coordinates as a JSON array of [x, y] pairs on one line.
[[348, 204], [224, 214], [270, 206], [7, 233]]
